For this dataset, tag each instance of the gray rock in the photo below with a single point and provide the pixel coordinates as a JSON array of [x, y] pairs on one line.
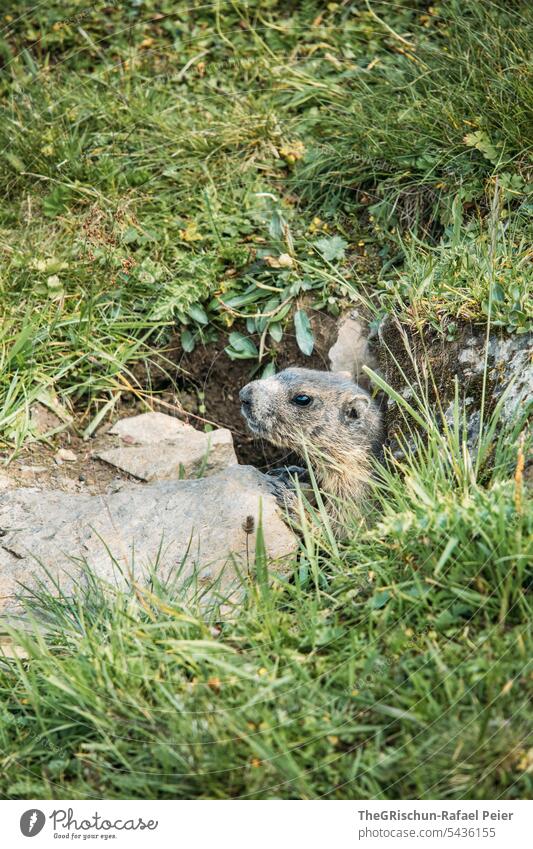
[[510, 361], [351, 350], [194, 454], [9, 649], [65, 455], [48, 417], [149, 428], [188, 530], [160, 447]]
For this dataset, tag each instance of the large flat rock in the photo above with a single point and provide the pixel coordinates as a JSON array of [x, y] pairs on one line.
[[194, 529]]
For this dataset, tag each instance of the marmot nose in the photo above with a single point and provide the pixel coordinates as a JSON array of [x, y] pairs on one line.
[[246, 395]]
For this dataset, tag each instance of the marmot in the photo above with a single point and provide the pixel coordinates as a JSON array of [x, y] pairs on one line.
[[325, 414]]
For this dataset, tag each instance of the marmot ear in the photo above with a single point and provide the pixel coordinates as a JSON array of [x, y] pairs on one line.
[[355, 407]]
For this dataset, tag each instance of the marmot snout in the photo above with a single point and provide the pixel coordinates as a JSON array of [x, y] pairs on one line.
[[323, 414]]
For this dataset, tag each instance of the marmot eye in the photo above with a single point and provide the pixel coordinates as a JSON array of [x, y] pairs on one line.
[[301, 400]]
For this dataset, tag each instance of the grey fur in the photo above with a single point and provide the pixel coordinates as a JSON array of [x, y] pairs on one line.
[[340, 429]]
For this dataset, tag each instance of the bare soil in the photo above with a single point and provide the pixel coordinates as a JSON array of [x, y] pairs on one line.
[[198, 387], [38, 465], [216, 381]]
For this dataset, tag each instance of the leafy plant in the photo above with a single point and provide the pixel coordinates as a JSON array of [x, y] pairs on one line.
[[304, 333], [332, 247]]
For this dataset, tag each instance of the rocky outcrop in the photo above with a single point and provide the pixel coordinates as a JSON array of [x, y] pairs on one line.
[[352, 350], [201, 532]]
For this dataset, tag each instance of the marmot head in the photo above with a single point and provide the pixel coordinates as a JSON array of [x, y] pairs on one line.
[[318, 411]]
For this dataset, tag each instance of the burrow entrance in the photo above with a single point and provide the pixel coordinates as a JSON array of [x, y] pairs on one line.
[[208, 383]]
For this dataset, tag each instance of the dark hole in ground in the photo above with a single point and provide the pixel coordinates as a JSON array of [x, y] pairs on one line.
[[219, 378], [208, 378]]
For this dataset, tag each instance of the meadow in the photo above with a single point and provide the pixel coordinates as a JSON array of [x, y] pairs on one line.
[[212, 173]]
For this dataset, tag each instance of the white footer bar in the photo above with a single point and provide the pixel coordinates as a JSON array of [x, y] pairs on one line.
[[269, 824]]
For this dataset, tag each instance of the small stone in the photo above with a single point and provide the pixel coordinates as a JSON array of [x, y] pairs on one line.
[[166, 448], [149, 428], [43, 420], [66, 456], [351, 350], [11, 650]]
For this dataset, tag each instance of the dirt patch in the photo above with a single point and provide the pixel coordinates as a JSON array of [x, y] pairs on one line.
[[198, 387], [40, 466]]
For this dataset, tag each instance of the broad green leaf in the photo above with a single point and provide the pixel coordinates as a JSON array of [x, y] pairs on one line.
[[482, 142], [197, 313], [269, 370], [276, 331], [276, 224], [56, 202], [131, 235], [241, 346], [497, 293], [379, 600], [331, 247], [187, 341], [304, 333]]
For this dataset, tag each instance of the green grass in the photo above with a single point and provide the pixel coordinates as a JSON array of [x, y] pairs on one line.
[[395, 666], [433, 120], [470, 274], [219, 170], [150, 166]]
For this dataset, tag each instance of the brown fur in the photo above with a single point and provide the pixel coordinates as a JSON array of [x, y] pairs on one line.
[[340, 429]]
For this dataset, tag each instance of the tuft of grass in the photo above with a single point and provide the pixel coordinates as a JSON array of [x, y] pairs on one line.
[[474, 272], [429, 121]]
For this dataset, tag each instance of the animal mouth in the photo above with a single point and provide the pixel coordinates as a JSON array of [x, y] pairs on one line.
[[250, 421], [247, 416]]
